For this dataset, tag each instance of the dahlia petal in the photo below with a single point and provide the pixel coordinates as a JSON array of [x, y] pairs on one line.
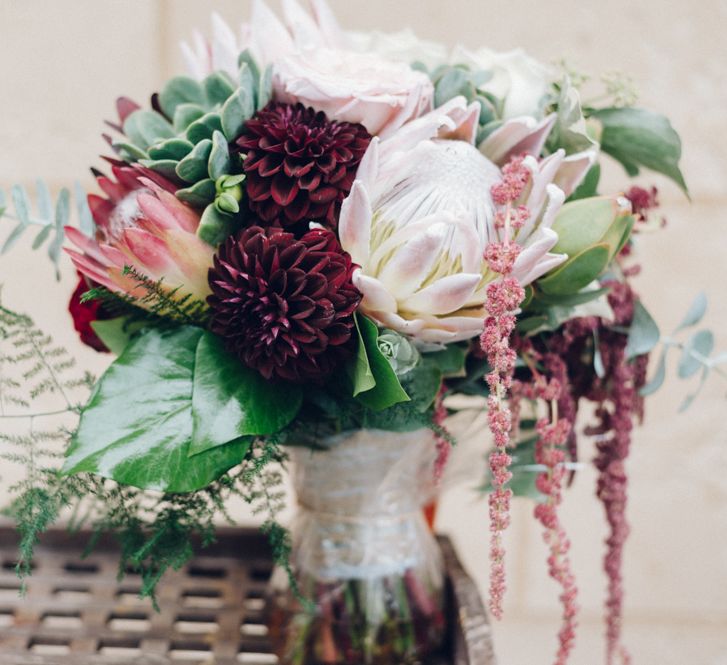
[[354, 224], [517, 136], [445, 295], [375, 296]]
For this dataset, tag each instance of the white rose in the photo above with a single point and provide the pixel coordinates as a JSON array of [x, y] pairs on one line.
[[354, 87], [518, 79], [401, 46]]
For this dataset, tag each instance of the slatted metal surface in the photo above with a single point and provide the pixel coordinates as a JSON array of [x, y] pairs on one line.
[[76, 611]]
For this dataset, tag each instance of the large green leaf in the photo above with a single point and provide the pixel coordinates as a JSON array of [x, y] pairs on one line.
[[636, 137], [137, 427], [231, 400], [387, 390], [360, 369]]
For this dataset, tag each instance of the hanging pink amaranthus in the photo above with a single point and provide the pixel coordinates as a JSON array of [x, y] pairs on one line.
[[503, 298], [553, 434]]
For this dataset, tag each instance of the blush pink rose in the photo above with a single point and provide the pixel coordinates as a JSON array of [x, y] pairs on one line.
[[354, 87]]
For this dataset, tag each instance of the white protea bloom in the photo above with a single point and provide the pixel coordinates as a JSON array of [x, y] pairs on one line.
[[420, 216]]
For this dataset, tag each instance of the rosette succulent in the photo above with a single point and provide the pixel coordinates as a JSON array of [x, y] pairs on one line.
[[186, 139], [421, 214]]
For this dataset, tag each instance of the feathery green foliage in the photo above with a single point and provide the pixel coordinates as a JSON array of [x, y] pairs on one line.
[[155, 531]]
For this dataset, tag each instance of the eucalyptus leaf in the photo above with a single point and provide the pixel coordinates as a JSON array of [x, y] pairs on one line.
[[85, 218], [42, 236], [21, 203], [146, 443], [689, 399], [62, 217], [644, 333], [230, 400], [695, 313], [657, 381], [699, 344], [44, 200]]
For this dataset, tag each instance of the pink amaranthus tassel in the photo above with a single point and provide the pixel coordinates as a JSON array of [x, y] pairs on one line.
[[503, 298]]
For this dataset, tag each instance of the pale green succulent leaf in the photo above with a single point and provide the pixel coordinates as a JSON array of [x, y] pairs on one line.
[[218, 87], [194, 166], [181, 90], [176, 148], [236, 111], [165, 167], [215, 226], [145, 128], [219, 159], [199, 194], [185, 115], [204, 127]]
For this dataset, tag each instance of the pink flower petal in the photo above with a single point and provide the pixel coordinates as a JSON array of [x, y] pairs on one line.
[[517, 136], [375, 296], [445, 295], [354, 224]]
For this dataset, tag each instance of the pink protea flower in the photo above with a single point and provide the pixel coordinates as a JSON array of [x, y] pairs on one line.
[[421, 214], [142, 225]]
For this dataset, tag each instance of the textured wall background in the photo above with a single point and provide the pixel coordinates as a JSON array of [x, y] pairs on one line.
[[63, 63]]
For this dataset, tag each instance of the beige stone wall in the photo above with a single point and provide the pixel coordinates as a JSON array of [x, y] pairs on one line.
[[62, 63]]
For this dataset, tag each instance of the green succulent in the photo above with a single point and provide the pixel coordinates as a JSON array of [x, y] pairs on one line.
[[453, 80], [188, 142], [591, 232]]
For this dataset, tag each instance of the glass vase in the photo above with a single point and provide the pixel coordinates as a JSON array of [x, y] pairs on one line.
[[368, 569]]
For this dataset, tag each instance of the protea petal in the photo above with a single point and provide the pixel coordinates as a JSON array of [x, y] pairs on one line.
[[354, 224], [375, 295], [443, 296], [517, 136], [573, 169]]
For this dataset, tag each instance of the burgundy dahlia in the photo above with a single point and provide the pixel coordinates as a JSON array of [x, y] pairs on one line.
[[299, 165], [284, 306]]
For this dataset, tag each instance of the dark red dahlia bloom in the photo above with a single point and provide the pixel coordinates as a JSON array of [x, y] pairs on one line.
[[284, 306], [299, 165], [84, 314]]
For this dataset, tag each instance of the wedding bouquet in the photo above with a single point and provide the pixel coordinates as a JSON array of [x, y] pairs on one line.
[[325, 246]]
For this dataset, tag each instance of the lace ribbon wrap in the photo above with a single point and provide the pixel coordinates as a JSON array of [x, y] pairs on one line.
[[360, 505]]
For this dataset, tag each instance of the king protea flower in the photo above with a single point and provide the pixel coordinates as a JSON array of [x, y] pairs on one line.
[[142, 225], [421, 214]]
